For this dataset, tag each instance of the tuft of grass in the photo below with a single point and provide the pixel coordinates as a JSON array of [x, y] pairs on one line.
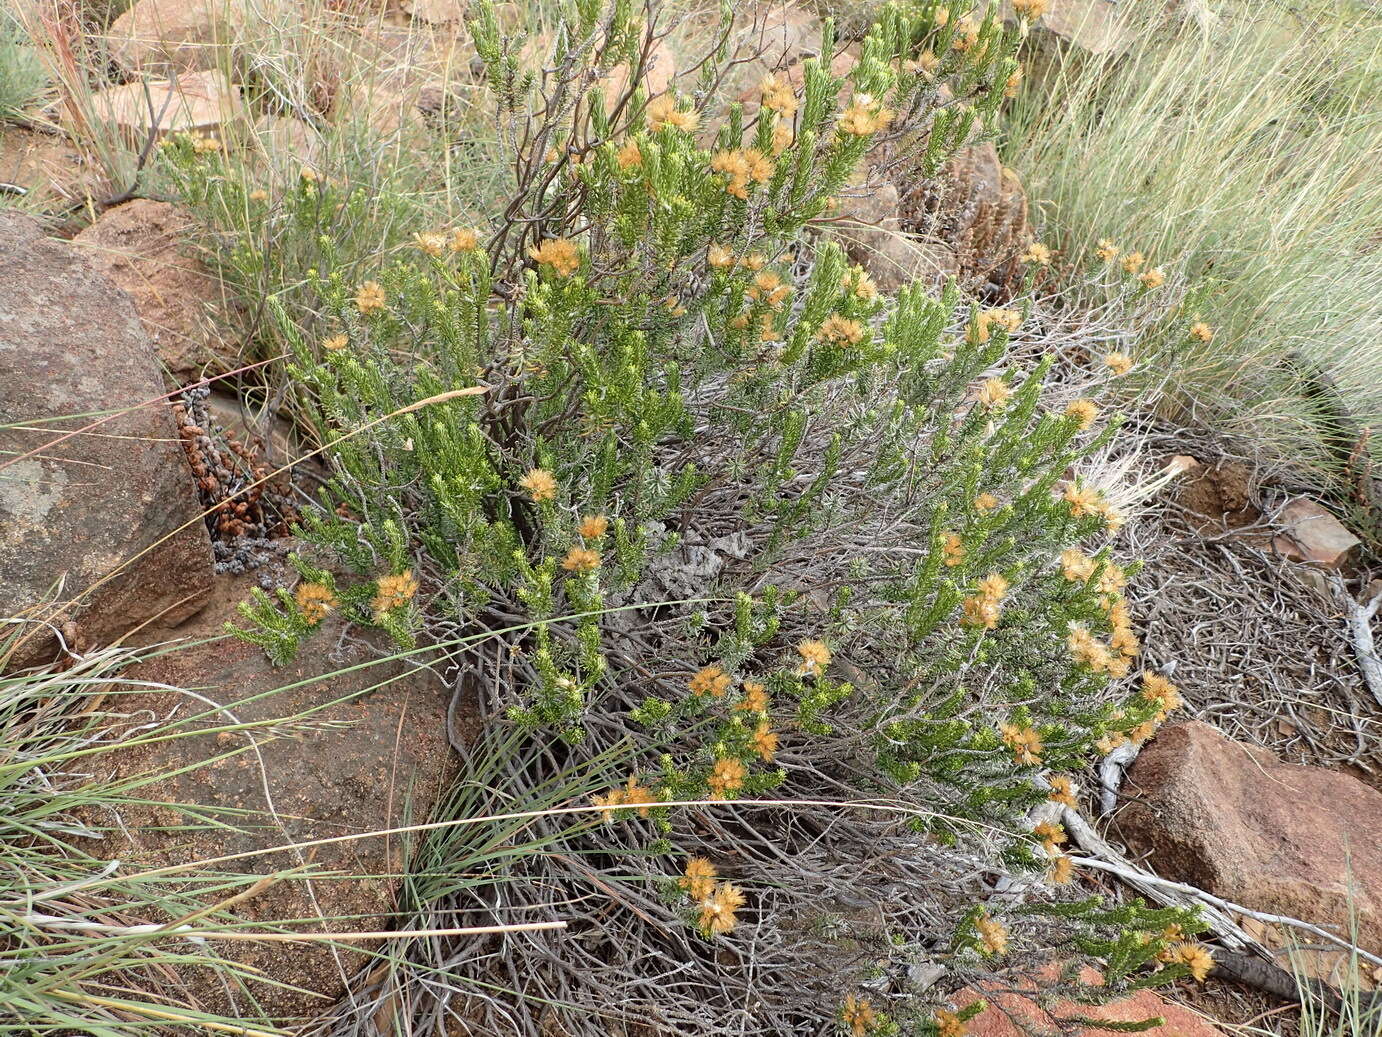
[[1240, 150], [22, 79]]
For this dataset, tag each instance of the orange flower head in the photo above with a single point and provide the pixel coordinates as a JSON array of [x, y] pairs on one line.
[[370, 297], [712, 681], [392, 592], [314, 601], [581, 560], [699, 878], [593, 527], [540, 484]]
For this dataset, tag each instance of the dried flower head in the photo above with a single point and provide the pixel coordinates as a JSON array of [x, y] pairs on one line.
[[953, 550], [718, 910], [1062, 870], [1050, 834], [1037, 253], [699, 878], [1157, 689], [629, 157], [858, 1015], [948, 1024], [259, 195], [433, 242], [581, 560], [1107, 250], [778, 96], [765, 741], [593, 527], [1118, 362], [1085, 412], [755, 698], [840, 331], [1029, 9], [370, 297], [1153, 278], [314, 601], [1202, 331], [985, 502], [993, 934], [726, 777], [335, 343], [1010, 88], [1083, 500], [1062, 790], [560, 254], [663, 111], [815, 657], [1024, 742], [393, 592], [1076, 566], [464, 239], [1195, 956], [720, 257], [540, 484], [1133, 261], [712, 681], [994, 392]]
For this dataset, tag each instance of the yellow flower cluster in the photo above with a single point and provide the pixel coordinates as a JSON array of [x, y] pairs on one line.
[[768, 288], [755, 698], [433, 242], [663, 111], [593, 527], [1085, 412], [335, 343], [1202, 331], [985, 606], [1050, 834], [985, 502], [370, 297], [633, 794], [815, 657], [1062, 790], [982, 328], [717, 911], [778, 96], [314, 601], [953, 550], [540, 484], [1062, 870], [581, 560], [1037, 253], [1195, 956], [393, 592], [860, 283], [994, 392], [740, 166], [1029, 9], [1085, 501], [840, 331], [858, 1015], [726, 777], [864, 117], [765, 741], [629, 157], [1118, 362], [1024, 742], [948, 1024], [464, 239], [993, 934], [560, 254], [712, 681]]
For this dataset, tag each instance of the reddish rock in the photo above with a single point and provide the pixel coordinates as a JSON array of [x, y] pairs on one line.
[[166, 35], [997, 1020], [1311, 534], [104, 527], [144, 246], [1279, 837], [194, 102], [373, 755]]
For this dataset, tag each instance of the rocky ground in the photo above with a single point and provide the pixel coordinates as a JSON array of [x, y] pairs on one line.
[[149, 516]]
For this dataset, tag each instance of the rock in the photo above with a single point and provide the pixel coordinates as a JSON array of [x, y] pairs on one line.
[[1097, 27], [997, 1019], [1219, 496], [46, 168], [658, 73], [414, 69], [438, 12], [284, 139], [111, 520], [196, 102], [373, 755], [1311, 534], [869, 225], [978, 207], [1279, 837], [174, 35], [143, 246]]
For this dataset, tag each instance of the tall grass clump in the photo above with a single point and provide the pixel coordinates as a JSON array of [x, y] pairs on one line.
[[22, 79], [816, 567], [1238, 151]]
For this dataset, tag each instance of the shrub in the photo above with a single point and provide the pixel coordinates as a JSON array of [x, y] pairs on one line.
[[735, 527]]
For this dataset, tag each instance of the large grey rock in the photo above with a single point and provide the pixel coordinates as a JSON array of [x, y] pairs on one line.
[[102, 528], [367, 750]]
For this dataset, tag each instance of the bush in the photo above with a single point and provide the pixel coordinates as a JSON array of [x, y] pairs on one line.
[[736, 528]]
